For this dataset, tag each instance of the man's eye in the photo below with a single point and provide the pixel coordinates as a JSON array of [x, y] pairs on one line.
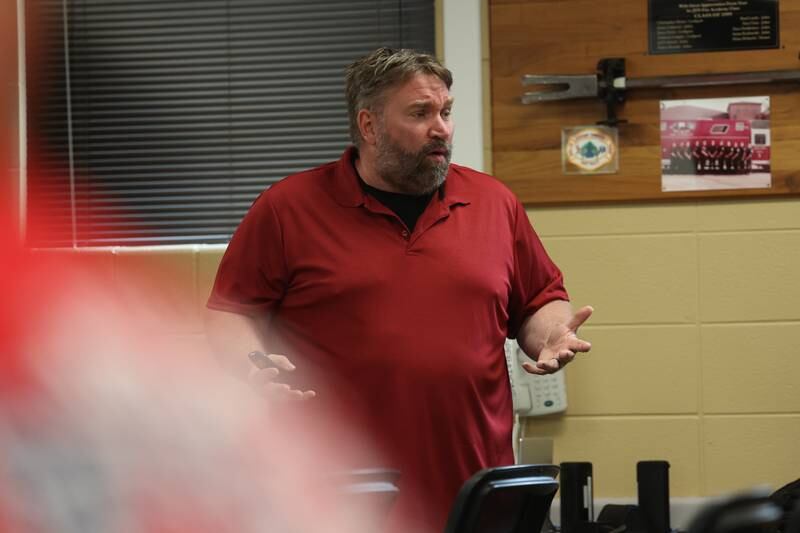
[[446, 113]]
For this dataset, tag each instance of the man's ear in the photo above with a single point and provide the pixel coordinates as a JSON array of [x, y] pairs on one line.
[[366, 121]]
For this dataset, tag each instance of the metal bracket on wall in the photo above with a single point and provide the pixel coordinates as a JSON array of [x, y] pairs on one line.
[[609, 84]]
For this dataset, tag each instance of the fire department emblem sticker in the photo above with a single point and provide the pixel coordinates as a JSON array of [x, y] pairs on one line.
[[589, 150]]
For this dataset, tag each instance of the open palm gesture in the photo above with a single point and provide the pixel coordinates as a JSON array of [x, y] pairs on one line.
[[561, 343]]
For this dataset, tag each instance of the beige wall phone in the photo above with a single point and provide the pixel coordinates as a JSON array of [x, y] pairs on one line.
[[534, 395]]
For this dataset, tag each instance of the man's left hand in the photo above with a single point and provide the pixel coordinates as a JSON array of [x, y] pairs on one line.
[[561, 345]]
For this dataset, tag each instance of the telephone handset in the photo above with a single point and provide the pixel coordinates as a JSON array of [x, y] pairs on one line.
[[534, 395]]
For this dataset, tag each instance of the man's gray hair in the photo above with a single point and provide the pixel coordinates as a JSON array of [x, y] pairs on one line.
[[368, 78]]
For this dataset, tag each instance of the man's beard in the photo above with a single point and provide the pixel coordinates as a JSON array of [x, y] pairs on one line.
[[412, 172]]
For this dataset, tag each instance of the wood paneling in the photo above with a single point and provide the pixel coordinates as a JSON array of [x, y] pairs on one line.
[[9, 118], [569, 37]]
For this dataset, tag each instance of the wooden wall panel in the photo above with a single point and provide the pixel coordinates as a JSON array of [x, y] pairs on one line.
[[569, 37]]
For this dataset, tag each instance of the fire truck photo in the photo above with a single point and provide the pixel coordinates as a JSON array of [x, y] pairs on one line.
[[700, 140]]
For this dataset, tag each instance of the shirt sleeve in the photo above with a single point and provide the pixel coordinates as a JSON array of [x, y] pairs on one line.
[[252, 277], [536, 279]]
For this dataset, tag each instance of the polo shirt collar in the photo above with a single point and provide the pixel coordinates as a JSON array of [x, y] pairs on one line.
[[347, 191]]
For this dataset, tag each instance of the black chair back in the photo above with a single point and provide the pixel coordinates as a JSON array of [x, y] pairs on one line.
[[506, 499]]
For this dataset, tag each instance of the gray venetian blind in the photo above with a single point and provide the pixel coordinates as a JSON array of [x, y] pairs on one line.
[[160, 121]]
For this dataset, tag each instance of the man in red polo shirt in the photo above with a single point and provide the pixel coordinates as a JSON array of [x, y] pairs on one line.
[[391, 279]]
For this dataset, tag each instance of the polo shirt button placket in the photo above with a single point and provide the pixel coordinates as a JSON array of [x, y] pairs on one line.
[[404, 234]]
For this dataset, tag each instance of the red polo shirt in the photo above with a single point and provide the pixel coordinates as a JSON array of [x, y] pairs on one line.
[[407, 328]]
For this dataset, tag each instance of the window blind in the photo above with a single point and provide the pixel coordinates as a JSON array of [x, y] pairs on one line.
[[160, 121]]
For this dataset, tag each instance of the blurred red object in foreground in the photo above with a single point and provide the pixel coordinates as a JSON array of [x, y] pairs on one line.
[[104, 428]]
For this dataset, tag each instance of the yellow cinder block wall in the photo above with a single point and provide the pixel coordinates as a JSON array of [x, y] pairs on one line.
[[162, 291], [696, 334]]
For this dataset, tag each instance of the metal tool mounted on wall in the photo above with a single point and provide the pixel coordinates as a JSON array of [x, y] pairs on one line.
[[610, 84]]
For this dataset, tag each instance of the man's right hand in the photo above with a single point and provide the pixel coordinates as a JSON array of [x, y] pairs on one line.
[[265, 377]]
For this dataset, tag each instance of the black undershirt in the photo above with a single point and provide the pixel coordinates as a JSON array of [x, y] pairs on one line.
[[408, 207]]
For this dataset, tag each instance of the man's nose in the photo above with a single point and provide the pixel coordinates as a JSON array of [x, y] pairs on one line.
[[441, 128]]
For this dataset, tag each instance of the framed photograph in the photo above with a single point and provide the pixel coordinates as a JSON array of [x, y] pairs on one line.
[[715, 144]]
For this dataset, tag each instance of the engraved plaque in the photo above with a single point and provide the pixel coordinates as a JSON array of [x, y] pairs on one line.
[[680, 26]]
